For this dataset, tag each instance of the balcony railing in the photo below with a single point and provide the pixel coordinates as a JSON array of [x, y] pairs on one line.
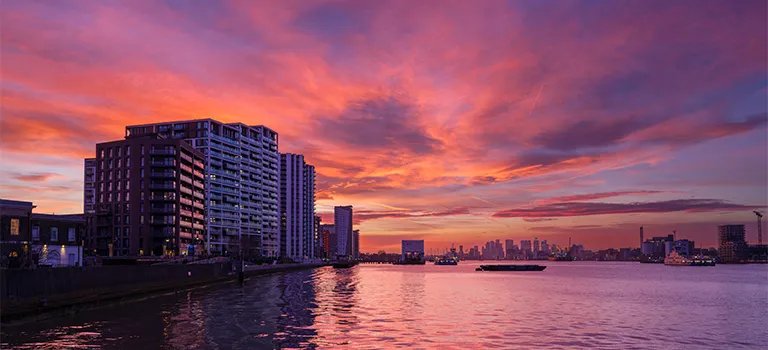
[[185, 223], [185, 190], [163, 197], [199, 194], [198, 205], [164, 221], [185, 201], [167, 173], [158, 151], [185, 168], [198, 216], [186, 213], [162, 186], [163, 209], [198, 227], [163, 163]]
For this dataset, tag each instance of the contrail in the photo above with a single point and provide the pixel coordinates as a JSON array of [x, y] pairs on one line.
[[536, 100]]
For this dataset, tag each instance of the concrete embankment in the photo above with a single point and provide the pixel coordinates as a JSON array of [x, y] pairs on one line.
[[28, 295]]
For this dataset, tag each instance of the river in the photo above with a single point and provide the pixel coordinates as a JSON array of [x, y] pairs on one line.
[[569, 305]]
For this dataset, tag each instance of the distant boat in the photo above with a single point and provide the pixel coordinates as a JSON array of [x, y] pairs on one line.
[[675, 259], [446, 261], [511, 268], [344, 264], [560, 257]]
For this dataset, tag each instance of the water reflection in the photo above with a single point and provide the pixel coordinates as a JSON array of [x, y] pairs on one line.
[[568, 306]]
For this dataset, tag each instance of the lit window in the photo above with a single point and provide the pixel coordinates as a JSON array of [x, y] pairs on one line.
[[54, 234], [71, 234], [36, 233], [15, 227]]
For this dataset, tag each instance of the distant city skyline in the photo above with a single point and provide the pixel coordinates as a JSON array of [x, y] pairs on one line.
[[469, 123]]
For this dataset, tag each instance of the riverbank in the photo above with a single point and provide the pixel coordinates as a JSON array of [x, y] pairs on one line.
[[32, 295]]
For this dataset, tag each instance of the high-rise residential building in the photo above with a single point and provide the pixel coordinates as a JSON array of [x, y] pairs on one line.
[[342, 219], [732, 243], [241, 182], [89, 185], [317, 237], [150, 198], [536, 247], [461, 252], [330, 245], [544, 247], [297, 207], [356, 243]]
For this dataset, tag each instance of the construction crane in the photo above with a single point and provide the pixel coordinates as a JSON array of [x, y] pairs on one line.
[[759, 227]]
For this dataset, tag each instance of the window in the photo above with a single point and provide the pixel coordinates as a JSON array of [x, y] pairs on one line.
[[142, 161], [127, 174], [110, 152], [101, 165], [127, 162], [102, 156], [35, 233], [110, 163], [127, 185], [141, 205], [127, 231], [119, 163], [109, 175], [127, 150], [142, 152], [119, 151], [117, 219], [109, 197], [127, 196], [118, 174], [142, 198], [119, 185], [54, 234], [127, 220], [15, 226], [141, 221], [141, 186], [109, 186], [71, 234], [142, 172]]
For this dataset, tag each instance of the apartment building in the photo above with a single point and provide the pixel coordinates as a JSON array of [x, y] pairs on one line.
[[149, 196], [342, 220], [297, 207], [241, 182]]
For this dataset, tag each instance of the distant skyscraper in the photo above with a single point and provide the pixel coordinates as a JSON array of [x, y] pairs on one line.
[[536, 247], [328, 234], [732, 244], [526, 248], [343, 220], [356, 245], [297, 207], [317, 237]]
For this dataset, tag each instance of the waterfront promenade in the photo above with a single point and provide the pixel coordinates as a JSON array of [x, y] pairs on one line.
[[29, 295]]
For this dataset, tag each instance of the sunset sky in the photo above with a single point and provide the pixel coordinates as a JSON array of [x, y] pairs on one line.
[[451, 121]]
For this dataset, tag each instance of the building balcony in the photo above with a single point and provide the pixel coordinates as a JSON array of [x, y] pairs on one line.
[[185, 168], [198, 216], [199, 194], [186, 213], [163, 209], [198, 174], [199, 185], [165, 163], [185, 179], [163, 174], [198, 164], [185, 190], [183, 223], [198, 205], [162, 186], [185, 201], [186, 157], [163, 197], [164, 232], [162, 221], [161, 151], [198, 226]]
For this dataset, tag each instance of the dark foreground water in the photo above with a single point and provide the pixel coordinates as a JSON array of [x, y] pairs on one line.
[[569, 305]]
